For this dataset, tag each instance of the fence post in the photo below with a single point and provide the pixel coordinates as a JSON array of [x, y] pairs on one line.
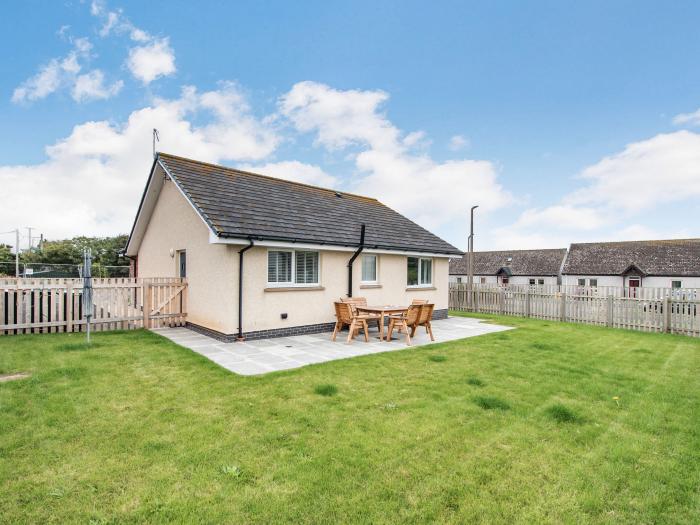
[[69, 307], [610, 310], [562, 306], [146, 304], [476, 300], [527, 303], [667, 314], [502, 300]]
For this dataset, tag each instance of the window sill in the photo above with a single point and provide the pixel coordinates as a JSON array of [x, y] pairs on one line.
[[419, 288], [294, 288], [370, 285]]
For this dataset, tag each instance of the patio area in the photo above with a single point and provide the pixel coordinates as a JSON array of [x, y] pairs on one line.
[[283, 353]]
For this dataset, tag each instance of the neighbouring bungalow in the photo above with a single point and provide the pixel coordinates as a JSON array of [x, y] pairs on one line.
[[266, 257], [533, 267], [671, 263]]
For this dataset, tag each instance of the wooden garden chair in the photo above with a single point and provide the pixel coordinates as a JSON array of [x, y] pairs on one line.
[[345, 316], [362, 301], [426, 314], [419, 301], [404, 320]]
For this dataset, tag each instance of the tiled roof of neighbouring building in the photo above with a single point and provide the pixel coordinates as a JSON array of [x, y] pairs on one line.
[[519, 262], [673, 257]]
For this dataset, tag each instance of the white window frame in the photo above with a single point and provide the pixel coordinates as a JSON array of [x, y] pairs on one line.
[[376, 268], [590, 283], [420, 268], [680, 284], [292, 283]]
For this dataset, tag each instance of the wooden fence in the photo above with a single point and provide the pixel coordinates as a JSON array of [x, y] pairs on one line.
[[55, 305], [674, 310]]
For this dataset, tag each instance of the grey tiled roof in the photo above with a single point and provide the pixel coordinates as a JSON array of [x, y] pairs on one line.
[[524, 262], [240, 204], [675, 257]]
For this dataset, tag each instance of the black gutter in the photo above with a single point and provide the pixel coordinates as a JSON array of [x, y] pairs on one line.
[[291, 240], [354, 256], [240, 289]]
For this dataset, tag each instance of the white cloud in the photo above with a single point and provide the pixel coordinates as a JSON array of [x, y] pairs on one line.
[[619, 189], [433, 193], [295, 171], [562, 216], [56, 74], [458, 142], [151, 61], [91, 86], [662, 169], [92, 179], [339, 118], [116, 22], [690, 119]]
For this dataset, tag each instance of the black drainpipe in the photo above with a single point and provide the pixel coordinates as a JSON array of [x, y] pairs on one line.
[[354, 256], [240, 289]]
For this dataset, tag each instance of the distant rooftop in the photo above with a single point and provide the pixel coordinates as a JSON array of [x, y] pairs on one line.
[[520, 262], [673, 257]]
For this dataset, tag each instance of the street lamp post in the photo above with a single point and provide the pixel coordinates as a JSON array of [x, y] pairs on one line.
[[470, 277]]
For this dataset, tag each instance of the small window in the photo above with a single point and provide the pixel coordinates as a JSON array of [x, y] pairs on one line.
[[540, 281], [419, 271], [582, 282], [482, 280], [676, 284], [459, 280], [634, 282], [306, 267], [182, 264], [592, 282], [369, 268], [505, 280], [532, 282], [279, 267], [290, 267]]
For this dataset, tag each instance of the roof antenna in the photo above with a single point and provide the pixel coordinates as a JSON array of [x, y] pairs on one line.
[[155, 137]]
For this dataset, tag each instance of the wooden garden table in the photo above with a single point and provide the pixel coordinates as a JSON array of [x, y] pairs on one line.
[[383, 311]]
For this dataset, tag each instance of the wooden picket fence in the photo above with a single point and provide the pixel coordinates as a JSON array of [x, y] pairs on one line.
[[673, 310], [29, 306]]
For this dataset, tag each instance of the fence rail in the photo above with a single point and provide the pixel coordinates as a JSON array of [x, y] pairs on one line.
[[55, 305], [673, 310]]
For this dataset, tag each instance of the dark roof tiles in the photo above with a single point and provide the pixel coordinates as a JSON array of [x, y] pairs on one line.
[[240, 204], [672, 257], [522, 262]]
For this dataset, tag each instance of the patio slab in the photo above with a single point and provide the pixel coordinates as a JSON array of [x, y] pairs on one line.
[[284, 353]]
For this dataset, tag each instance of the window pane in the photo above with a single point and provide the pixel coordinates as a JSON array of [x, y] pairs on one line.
[[675, 284], [582, 282], [279, 267], [593, 282], [426, 271], [532, 281], [412, 271], [540, 281], [306, 267], [369, 268]]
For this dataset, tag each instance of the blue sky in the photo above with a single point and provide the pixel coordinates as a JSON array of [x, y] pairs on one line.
[[565, 121]]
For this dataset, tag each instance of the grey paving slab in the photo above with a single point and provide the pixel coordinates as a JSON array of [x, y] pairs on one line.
[[284, 353]]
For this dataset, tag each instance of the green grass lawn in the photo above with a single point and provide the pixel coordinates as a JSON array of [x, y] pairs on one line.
[[547, 423]]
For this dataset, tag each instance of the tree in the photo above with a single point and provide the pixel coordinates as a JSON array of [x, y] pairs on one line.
[[105, 251], [6, 254]]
